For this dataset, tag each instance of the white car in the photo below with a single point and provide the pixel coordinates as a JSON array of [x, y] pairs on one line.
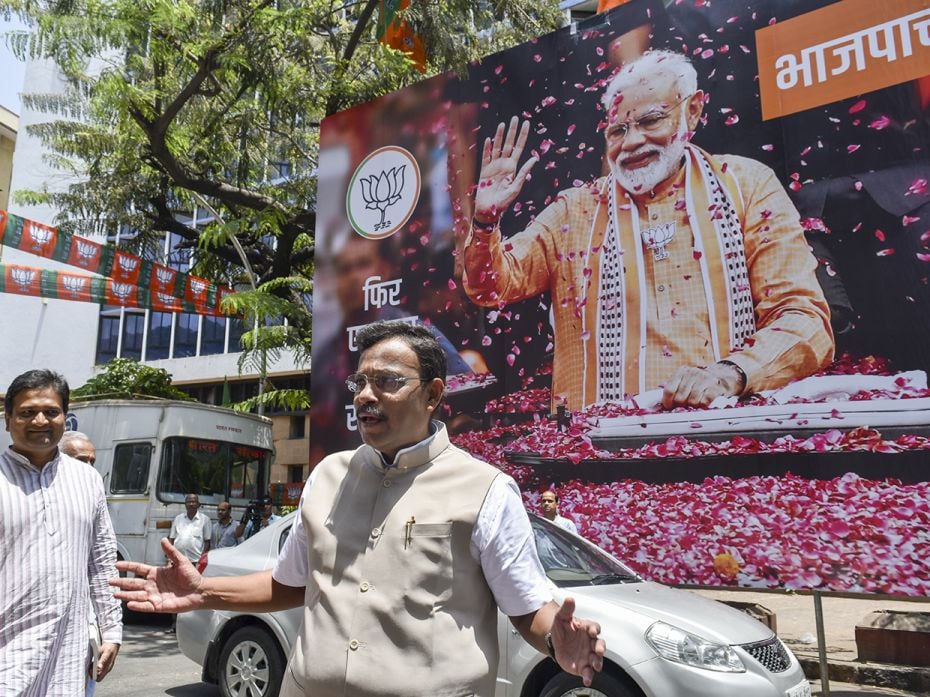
[[661, 642]]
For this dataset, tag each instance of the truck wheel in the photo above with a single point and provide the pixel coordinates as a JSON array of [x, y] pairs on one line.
[[251, 664], [604, 685]]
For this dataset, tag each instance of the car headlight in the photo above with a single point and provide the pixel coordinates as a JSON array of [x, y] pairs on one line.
[[684, 647]]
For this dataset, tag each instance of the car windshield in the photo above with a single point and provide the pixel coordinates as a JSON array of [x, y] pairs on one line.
[[572, 561]]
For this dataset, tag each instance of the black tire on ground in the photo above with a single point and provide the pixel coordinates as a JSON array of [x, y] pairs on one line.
[[604, 685], [251, 664]]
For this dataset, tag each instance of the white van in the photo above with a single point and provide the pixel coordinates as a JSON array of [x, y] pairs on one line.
[[152, 453]]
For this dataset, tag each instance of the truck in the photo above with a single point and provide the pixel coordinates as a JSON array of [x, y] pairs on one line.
[[152, 453]]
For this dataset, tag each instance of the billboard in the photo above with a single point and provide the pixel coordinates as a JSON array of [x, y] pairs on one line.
[[696, 301]]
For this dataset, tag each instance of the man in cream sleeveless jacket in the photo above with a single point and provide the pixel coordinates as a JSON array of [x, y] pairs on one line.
[[404, 550]]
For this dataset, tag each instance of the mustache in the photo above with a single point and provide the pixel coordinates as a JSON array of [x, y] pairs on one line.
[[638, 153], [370, 410]]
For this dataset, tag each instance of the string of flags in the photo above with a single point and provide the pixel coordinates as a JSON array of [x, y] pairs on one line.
[[123, 278]]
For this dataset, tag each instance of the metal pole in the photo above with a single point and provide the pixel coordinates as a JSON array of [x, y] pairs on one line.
[[821, 645]]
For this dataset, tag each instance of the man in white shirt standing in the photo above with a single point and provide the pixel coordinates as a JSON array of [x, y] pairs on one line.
[[191, 531], [550, 508], [403, 553], [57, 551]]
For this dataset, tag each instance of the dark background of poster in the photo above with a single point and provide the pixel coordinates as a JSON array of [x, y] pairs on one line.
[[853, 167]]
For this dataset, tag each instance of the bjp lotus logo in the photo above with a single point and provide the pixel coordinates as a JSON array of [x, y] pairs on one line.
[[74, 284], [197, 287], [127, 264], [41, 236], [22, 277], [87, 252], [122, 291], [164, 276], [383, 193]]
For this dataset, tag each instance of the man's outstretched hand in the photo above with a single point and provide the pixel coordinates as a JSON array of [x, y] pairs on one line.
[[174, 587], [578, 650]]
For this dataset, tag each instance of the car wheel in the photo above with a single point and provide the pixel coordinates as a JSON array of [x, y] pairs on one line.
[[251, 664], [604, 685]]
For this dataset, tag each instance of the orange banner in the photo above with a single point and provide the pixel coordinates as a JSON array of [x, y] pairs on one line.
[[842, 50], [604, 5]]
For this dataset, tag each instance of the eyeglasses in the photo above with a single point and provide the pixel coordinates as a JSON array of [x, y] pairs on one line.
[[383, 383], [649, 122]]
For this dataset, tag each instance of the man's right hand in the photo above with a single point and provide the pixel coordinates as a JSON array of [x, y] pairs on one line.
[[499, 182], [174, 587]]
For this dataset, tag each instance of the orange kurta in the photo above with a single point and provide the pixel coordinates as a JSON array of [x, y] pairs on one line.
[[793, 337]]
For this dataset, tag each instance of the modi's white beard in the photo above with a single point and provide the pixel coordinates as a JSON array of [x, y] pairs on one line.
[[644, 179]]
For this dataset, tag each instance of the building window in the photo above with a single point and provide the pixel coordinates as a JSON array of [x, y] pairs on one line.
[[298, 428], [295, 474], [108, 338], [133, 334], [236, 330], [129, 333], [159, 339], [213, 336], [185, 335]]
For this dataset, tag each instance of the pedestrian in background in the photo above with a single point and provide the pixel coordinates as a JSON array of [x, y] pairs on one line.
[[191, 532], [78, 446], [549, 503], [57, 551], [224, 532], [254, 520]]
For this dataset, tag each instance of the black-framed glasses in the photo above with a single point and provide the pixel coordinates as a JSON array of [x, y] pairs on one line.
[[383, 383], [650, 122]]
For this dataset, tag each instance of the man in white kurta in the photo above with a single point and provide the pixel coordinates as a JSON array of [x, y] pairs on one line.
[[57, 551]]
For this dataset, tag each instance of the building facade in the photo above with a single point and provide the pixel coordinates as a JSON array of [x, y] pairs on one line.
[[9, 125], [77, 339]]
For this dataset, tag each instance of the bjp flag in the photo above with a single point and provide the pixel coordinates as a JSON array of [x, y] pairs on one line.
[[398, 34]]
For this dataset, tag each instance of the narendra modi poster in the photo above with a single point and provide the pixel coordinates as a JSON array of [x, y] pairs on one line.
[[678, 259]]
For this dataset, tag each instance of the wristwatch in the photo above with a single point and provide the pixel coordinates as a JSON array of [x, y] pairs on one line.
[[743, 380], [550, 649]]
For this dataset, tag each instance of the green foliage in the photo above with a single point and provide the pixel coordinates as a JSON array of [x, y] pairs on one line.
[[128, 379], [288, 400], [214, 106]]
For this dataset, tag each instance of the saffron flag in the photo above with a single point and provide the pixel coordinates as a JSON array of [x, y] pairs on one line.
[[398, 33], [604, 5]]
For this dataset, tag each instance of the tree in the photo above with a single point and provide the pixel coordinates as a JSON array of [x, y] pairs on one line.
[[125, 378], [216, 104]]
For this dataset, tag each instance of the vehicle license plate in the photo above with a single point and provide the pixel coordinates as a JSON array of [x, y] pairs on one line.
[[802, 690]]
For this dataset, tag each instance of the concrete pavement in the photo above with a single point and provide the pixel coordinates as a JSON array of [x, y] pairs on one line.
[[796, 625]]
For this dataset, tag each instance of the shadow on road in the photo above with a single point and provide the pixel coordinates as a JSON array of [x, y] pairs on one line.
[[199, 689]]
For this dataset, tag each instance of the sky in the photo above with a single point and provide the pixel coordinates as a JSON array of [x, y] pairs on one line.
[[11, 70]]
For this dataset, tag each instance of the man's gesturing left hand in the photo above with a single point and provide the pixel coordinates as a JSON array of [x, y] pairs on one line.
[[107, 658], [578, 650]]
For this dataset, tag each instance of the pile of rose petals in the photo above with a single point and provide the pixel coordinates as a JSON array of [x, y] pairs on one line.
[[845, 534]]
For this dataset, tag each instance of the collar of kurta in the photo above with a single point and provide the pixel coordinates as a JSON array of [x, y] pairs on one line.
[[414, 455], [21, 459]]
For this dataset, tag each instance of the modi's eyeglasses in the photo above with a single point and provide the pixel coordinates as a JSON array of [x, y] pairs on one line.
[[383, 383], [650, 122]]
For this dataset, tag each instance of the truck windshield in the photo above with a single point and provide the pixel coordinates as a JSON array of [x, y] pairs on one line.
[[214, 470]]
